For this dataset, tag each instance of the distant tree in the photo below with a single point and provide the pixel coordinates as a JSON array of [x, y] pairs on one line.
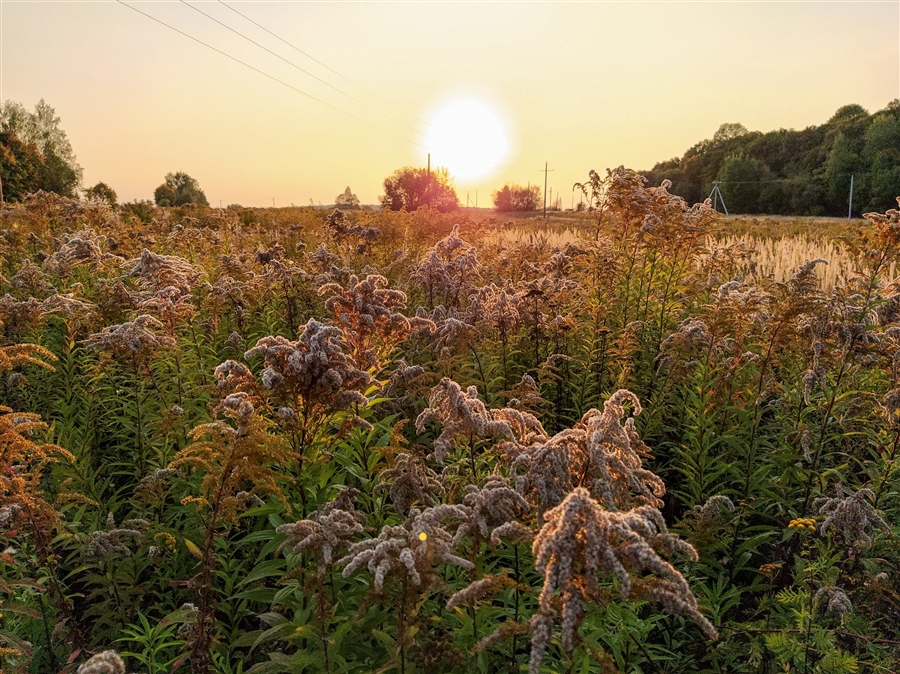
[[729, 131], [21, 167], [61, 172], [103, 192], [411, 188], [807, 171], [517, 198], [741, 177], [346, 200], [179, 189]]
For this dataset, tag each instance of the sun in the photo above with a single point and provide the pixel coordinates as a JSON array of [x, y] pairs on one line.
[[468, 137]]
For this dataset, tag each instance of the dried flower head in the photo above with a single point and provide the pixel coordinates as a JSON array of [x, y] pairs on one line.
[[326, 530], [579, 540], [410, 482], [409, 551], [448, 271], [850, 517], [834, 600], [107, 662], [463, 415], [493, 510], [106, 544], [160, 271], [134, 339], [313, 371], [365, 310]]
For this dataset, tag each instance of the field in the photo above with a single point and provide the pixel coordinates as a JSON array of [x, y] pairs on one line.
[[642, 439]]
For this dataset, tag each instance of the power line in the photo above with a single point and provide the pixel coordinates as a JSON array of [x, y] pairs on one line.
[[313, 58], [261, 72], [294, 65]]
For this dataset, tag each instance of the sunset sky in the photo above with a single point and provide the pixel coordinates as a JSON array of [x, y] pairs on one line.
[[580, 85]]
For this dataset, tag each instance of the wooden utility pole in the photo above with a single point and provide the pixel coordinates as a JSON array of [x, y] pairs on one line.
[[546, 171], [429, 163]]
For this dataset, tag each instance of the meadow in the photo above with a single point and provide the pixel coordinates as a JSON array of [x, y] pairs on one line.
[[643, 439]]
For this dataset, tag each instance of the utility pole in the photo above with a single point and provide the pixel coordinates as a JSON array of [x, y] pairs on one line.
[[546, 171], [429, 163], [716, 195], [849, 210]]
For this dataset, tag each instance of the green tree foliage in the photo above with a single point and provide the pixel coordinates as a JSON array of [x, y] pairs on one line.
[[346, 200], [743, 175], [517, 198], [20, 167], [179, 189], [56, 169], [805, 172], [411, 188], [103, 192]]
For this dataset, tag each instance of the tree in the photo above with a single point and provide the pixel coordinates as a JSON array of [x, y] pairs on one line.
[[20, 168], [346, 200], [36, 153], [729, 131], [41, 129], [411, 188], [741, 177], [517, 198], [103, 192], [178, 190]]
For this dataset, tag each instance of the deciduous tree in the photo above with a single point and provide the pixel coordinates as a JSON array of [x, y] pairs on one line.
[[179, 189], [411, 188], [346, 200], [517, 198]]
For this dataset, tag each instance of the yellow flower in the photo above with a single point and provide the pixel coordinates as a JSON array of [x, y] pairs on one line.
[[803, 523]]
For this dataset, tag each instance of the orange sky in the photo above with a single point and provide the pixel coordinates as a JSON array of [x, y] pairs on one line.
[[581, 85]]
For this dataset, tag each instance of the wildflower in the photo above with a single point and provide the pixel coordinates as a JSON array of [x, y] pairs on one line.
[[850, 517], [579, 540], [448, 270], [103, 545], [464, 415], [400, 550], [802, 524], [156, 272], [410, 482], [325, 530], [835, 601], [135, 339], [365, 310], [493, 506], [107, 662]]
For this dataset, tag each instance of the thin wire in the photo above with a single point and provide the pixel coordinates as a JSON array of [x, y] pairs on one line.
[[265, 74], [302, 70], [313, 58]]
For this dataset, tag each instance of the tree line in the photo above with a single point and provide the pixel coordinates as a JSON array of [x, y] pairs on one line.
[[789, 172]]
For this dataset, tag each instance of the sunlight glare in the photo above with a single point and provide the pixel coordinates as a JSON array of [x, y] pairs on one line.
[[468, 137]]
